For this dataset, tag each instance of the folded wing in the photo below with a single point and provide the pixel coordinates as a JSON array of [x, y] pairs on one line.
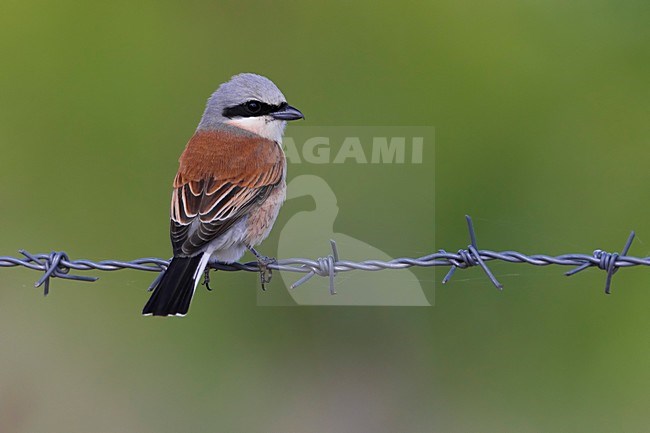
[[222, 175]]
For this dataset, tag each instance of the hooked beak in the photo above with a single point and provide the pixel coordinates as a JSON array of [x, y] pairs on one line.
[[287, 113]]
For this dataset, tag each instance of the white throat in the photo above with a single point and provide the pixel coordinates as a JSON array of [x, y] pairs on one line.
[[264, 126]]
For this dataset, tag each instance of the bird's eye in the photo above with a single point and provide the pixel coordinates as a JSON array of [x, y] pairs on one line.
[[253, 106]]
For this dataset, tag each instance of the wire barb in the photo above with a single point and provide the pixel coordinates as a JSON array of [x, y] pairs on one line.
[[58, 264], [54, 265], [605, 261], [470, 257], [326, 267]]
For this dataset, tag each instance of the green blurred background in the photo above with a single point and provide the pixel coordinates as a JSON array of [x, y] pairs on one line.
[[541, 113]]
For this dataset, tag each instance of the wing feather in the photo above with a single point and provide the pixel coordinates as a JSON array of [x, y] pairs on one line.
[[222, 175]]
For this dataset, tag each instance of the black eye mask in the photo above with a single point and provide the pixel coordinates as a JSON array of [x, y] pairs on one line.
[[252, 108]]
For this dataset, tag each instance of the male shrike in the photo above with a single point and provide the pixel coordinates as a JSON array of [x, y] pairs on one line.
[[229, 186]]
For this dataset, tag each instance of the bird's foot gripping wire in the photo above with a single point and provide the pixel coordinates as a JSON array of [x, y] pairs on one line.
[[206, 278], [263, 262]]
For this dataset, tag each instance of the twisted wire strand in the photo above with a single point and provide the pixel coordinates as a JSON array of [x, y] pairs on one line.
[[58, 264]]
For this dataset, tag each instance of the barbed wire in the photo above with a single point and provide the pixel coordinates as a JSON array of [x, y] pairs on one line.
[[57, 264]]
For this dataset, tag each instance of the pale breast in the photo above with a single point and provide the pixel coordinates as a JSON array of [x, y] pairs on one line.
[[260, 219]]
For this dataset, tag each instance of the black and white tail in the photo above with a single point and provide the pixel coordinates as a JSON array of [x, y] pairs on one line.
[[173, 293]]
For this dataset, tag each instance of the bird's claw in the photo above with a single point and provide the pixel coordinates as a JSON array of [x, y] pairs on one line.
[[266, 273], [263, 263], [206, 279]]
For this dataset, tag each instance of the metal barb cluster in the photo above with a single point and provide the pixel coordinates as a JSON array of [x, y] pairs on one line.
[[59, 265], [326, 267], [470, 257], [606, 262]]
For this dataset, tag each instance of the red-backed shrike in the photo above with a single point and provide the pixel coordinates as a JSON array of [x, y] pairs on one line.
[[229, 186]]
